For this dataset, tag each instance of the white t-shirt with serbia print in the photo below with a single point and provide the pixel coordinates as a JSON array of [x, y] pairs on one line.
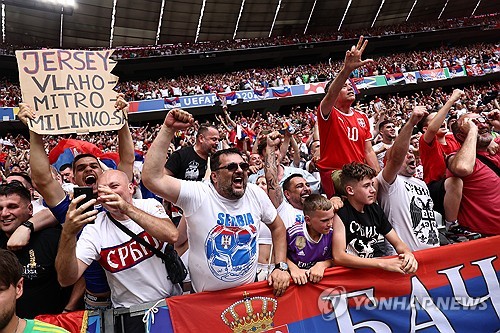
[[135, 275], [222, 234]]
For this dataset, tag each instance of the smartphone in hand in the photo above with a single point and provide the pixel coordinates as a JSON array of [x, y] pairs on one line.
[[89, 193]]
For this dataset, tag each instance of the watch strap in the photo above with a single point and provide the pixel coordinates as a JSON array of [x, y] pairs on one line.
[[28, 224]]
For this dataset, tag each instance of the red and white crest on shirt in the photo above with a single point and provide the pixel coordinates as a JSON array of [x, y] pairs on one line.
[[361, 122], [128, 254]]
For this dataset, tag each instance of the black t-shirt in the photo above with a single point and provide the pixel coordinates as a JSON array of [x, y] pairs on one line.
[[42, 292], [362, 230], [186, 164]]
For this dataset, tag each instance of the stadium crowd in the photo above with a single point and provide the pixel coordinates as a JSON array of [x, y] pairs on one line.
[[257, 78], [299, 182], [238, 44]]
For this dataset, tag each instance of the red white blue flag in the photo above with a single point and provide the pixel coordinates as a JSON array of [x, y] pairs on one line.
[[282, 92], [456, 289]]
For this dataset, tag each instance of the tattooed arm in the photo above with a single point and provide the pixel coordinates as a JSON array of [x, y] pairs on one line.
[[271, 164]]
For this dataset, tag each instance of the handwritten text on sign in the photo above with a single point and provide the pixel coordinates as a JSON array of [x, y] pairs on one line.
[[71, 91]]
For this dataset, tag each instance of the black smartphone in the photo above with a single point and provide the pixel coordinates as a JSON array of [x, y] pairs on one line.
[[89, 193]]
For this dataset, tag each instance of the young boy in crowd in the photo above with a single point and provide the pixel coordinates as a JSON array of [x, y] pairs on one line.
[[359, 224], [310, 244]]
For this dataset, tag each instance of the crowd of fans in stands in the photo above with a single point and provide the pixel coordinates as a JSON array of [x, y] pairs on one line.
[[444, 56], [226, 45], [398, 108], [249, 132]]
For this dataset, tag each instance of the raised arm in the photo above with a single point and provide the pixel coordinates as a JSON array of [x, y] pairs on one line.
[[437, 121], [462, 164], [399, 149], [352, 61], [296, 152], [370, 157], [271, 169], [125, 143], [154, 176], [49, 188]]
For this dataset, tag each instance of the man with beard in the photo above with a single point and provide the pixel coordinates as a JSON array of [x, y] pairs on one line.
[[387, 130], [11, 289], [344, 133], [405, 199], [295, 189], [223, 217], [86, 170], [479, 209]]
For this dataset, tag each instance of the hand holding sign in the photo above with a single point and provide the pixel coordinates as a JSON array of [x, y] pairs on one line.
[[70, 91]]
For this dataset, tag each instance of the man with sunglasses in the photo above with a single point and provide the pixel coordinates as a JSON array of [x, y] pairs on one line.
[[480, 172], [223, 216]]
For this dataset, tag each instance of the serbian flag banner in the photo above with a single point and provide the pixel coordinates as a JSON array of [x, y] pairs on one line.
[[433, 74], [395, 78], [227, 98], [283, 92], [357, 84], [455, 289], [260, 93], [171, 103], [457, 71], [66, 150]]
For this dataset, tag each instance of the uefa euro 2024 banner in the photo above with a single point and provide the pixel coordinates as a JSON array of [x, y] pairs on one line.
[[456, 289]]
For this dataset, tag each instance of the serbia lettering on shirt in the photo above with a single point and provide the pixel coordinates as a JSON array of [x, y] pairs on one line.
[[123, 256], [343, 138]]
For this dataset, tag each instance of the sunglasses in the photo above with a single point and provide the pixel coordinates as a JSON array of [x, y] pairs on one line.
[[234, 166]]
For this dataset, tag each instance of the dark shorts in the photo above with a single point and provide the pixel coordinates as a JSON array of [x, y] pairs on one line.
[[437, 191]]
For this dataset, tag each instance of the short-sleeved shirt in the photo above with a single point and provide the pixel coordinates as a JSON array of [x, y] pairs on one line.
[[433, 157], [186, 164], [303, 251], [134, 273], [343, 137], [363, 230], [479, 208], [222, 234]]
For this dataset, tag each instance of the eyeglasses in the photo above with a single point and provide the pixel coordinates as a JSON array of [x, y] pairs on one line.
[[232, 167]]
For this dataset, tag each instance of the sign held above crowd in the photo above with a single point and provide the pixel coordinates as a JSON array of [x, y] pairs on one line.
[[70, 91]]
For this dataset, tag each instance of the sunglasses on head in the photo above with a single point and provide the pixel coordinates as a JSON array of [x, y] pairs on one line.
[[234, 166]]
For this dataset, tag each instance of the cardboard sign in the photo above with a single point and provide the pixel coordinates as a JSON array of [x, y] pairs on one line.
[[70, 91]]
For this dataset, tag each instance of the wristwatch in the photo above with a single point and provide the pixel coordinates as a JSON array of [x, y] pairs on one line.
[[282, 266], [28, 224]]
